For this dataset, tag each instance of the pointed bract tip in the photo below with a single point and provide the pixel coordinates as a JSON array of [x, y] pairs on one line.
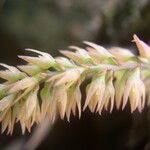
[[86, 42], [135, 38], [73, 47]]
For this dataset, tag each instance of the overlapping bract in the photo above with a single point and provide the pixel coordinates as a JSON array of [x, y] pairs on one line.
[[33, 91]]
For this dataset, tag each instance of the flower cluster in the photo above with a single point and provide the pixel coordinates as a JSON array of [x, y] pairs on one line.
[[48, 86]]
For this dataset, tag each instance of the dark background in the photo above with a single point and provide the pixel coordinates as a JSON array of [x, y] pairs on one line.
[[51, 25]]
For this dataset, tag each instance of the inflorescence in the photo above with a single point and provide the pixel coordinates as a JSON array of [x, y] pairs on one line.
[[48, 86]]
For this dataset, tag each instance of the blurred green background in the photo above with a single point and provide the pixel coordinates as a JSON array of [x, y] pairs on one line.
[[51, 25]]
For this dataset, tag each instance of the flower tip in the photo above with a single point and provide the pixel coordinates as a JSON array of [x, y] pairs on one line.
[[63, 51], [84, 107], [7, 66], [117, 107], [62, 116], [68, 119], [143, 48], [91, 44], [100, 113], [2, 64], [30, 50], [79, 115], [111, 110], [140, 109], [123, 106], [21, 56], [135, 38], [73, 47], [132, 110], [86, 42], [27, 49]]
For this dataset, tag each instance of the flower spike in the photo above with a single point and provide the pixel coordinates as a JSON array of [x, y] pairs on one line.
[[116, 77]]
